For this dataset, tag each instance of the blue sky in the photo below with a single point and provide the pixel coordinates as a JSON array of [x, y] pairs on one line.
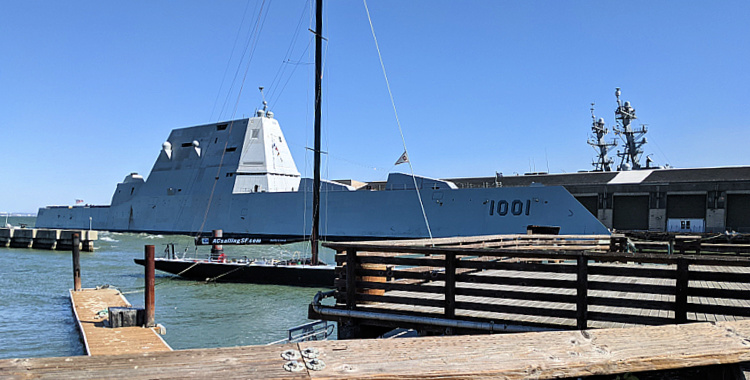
[[89, 90]]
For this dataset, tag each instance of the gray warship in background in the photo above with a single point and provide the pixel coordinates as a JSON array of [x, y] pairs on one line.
[[239, 176]]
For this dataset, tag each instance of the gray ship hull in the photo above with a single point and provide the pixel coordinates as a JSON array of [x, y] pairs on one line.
[[239, 176], [344, 215]]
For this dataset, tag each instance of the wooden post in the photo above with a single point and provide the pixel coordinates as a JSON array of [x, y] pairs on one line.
[[76, 263], [351, 278], [149, 292], [582, 293], [450, 285], [680, 299]]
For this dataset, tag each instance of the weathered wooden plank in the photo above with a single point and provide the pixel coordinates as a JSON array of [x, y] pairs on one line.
[[631, 271], [630, 319], [496, 280], [631, 287], [525, 267], [535, 355], [538, 355], [511, 309], [742, 294], [256, 362], [719, 276], [631, 303], [419, 301], [718, 309], [532, 295], [430, 261], [542, 253]]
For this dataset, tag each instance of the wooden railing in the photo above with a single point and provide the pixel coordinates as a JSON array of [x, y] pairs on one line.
[[550, 285]]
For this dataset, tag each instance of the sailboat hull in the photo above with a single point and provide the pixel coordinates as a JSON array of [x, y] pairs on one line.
[[295, 275]]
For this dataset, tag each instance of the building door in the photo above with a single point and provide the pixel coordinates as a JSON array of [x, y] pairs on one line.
[[738, 212], [630, 212]]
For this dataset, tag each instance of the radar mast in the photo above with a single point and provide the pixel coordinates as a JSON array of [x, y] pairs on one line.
[[633, 138], [603, 163]]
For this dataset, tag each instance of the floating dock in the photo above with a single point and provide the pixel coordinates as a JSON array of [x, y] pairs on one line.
[[539, 355], [99, 338], [41, 238]]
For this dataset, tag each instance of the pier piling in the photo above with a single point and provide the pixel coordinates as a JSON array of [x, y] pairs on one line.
[[217, 249], [76, 264], [149, 292]]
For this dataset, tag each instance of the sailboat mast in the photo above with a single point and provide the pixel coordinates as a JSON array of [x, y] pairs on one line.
[[318, 95]]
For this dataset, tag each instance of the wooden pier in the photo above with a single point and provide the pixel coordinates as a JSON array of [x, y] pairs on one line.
[[539, 355], [99, 338], [527, 283], [107, 322]]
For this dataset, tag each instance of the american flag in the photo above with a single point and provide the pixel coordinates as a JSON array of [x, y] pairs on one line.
[[79, 201]]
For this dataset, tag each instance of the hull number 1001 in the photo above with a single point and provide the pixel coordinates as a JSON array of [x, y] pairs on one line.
[[515, 207]]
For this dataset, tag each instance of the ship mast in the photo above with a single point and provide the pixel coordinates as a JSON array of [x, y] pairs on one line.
[[318, 93], [603, 163], [625, 114]]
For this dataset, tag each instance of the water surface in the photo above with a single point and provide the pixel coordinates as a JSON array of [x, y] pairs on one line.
[[36, 319]]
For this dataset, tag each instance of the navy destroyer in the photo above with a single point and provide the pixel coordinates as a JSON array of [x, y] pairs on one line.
[[239, 176]]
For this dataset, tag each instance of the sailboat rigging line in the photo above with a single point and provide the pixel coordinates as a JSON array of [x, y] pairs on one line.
[[234, 112], [252, 41], [273, 92], [229, 61], [393, 103], [287, 56]]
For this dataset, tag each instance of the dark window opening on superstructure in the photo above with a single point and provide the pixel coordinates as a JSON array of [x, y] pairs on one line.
[[185, 145], [256, 188], [232, 149], [221, 127], [230, 174]]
